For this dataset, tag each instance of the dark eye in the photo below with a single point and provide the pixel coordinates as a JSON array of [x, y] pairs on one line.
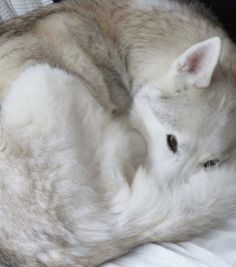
[[172, 143], [211, 163]]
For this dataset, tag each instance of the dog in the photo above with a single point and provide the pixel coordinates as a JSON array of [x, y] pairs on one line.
[[80, 187], [125, 136]]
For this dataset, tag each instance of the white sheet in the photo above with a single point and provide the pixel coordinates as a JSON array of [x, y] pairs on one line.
[[12, 8], [217, 248]]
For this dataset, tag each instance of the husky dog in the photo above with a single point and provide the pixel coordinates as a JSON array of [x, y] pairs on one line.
[[80, 186], [118, 47]]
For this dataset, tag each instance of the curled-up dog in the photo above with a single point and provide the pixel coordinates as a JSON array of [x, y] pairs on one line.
[[117, 129], [80, 187]]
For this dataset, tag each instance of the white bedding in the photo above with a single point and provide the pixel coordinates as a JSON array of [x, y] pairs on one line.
[[12, 8], [215, 249]]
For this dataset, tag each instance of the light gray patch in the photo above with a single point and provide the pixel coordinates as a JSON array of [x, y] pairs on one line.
[[165, 118]]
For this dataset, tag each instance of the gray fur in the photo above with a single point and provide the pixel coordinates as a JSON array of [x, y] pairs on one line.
[[113, 49]]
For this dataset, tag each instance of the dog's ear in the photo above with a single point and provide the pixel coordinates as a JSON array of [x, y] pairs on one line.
[[196, 65]]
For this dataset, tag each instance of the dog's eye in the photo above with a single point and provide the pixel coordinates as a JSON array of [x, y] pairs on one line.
[[172, 143], [211, 163]]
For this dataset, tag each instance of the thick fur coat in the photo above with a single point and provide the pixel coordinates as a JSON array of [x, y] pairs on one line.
[[117, 129]]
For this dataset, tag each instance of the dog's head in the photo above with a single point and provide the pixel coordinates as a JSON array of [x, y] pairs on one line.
[[195, 104]]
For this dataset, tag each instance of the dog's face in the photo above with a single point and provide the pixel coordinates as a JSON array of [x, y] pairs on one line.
[[195, 104]]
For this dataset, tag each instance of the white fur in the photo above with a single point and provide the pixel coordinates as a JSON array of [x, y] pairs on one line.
[[74, 165], [198, 63], [150, 4], [78, 186]]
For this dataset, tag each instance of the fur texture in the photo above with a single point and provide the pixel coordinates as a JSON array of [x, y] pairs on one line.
[[80, 186], [67, 166]]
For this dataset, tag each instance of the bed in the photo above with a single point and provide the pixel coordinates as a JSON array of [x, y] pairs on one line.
[[217, 248]]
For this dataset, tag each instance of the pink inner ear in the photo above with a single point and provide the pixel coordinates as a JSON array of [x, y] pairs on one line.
[[198, 63], [193, 62]]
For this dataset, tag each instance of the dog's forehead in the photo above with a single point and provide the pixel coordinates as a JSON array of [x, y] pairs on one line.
[[203, 115]]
